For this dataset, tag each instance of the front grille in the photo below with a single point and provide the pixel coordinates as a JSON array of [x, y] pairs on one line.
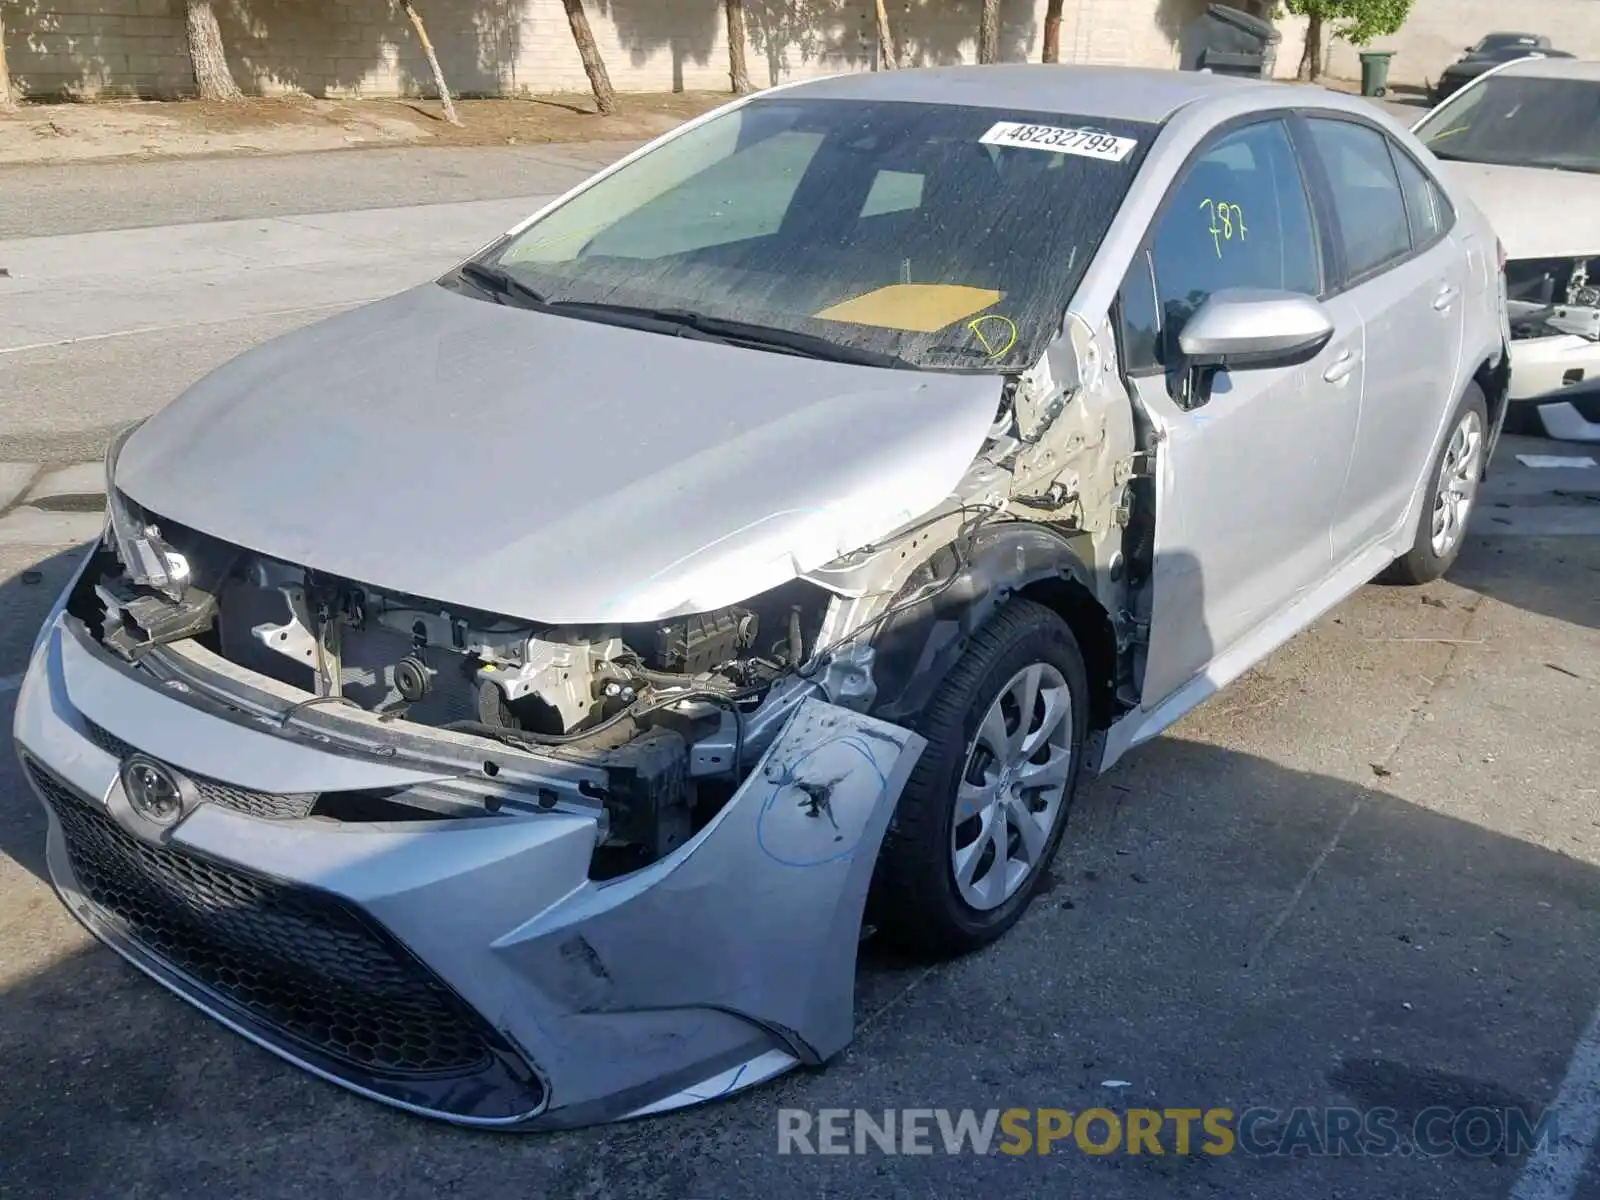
[[297, 962], [106, 740], [271, 806]]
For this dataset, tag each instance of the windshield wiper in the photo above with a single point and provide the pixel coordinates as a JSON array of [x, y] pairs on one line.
[[744, 333], [502, 284], [772, 337], [507, 288], [1530, 164]]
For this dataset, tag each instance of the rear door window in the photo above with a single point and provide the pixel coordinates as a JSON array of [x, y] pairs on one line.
[[1368, 204], [1426, 207]]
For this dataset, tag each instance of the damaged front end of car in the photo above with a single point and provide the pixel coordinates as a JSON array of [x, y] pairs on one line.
[[482, 870], [1554, 309]]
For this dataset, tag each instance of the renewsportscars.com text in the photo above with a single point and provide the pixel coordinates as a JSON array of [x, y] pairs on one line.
[[1255, 1132]]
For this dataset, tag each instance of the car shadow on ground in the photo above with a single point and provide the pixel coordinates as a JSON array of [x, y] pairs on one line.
[[26, 598], [1553, 576], [1179, 946]]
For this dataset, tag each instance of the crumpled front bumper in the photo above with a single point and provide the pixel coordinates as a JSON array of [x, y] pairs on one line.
[[466, 969]]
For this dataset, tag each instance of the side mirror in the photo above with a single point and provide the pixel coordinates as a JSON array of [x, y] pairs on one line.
[[1250, 330]]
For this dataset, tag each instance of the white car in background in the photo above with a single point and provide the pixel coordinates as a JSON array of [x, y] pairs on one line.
[[1524, 141]]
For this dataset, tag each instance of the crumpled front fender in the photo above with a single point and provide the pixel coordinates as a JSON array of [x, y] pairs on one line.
[[759, 916]]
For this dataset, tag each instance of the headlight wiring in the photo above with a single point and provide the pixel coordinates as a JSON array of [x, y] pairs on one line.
[[962, 547]]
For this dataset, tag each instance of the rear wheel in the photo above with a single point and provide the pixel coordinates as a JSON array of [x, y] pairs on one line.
[[1451, 495], [986, 806]]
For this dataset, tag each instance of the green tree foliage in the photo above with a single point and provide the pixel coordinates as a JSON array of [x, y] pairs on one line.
[[1355, 21]]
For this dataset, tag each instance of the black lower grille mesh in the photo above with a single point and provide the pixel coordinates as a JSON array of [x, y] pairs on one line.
[[296, 960]]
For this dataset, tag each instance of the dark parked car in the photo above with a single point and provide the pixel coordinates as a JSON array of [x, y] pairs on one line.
[[1491, 50]]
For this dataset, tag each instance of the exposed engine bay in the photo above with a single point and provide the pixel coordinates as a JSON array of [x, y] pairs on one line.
[[399, 656], [1554, 297], [405, 657], [673, 710]]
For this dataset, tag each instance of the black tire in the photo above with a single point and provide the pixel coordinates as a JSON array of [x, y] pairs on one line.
[[1421, 564], [917, 905]]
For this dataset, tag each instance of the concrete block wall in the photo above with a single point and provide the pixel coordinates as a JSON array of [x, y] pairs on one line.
[[336, 48], [93, 47]]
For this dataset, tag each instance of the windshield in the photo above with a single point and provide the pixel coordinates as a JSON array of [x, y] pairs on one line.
[[1520, 121], [949, 237]]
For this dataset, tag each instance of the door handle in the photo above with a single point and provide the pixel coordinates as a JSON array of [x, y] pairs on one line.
[[1446, 297], [1342, 367]]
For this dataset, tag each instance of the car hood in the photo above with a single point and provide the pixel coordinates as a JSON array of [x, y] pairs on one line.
[[1538, 213], [549, 468]]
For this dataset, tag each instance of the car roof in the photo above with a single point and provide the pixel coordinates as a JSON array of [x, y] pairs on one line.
[[1555, 68], [1113, 93]]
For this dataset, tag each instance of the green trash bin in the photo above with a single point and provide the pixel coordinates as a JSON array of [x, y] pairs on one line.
[[1375, 72]]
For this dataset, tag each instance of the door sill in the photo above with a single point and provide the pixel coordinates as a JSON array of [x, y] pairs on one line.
[[1142, 724]]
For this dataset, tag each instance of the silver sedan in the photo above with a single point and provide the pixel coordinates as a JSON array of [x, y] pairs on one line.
[[513, 699]]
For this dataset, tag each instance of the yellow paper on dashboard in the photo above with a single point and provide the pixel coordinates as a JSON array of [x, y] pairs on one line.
[[912, 307]]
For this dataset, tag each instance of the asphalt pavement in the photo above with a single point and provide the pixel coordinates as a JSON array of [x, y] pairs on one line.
[[1366, 875], [87, 197]]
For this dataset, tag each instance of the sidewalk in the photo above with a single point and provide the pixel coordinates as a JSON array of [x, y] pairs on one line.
[[144, 130]]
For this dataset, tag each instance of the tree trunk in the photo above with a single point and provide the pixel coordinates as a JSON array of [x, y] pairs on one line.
[[989, 32], [7, 103], [1311, 57], [605, 98], [212, 78], [888, 56], [1052, 31], [433, 61], [738, 69]]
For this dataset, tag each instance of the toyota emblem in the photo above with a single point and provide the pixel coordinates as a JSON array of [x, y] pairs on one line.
[[153, 790]]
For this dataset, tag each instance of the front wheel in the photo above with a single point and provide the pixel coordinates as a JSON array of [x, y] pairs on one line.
[[1451, 494], [986, 806]]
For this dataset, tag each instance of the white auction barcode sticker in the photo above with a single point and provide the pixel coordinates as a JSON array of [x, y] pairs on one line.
[[1086, 143]]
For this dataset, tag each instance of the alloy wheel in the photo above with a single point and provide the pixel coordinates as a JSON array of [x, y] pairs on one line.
[[1458, 483], [1012, 787]]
